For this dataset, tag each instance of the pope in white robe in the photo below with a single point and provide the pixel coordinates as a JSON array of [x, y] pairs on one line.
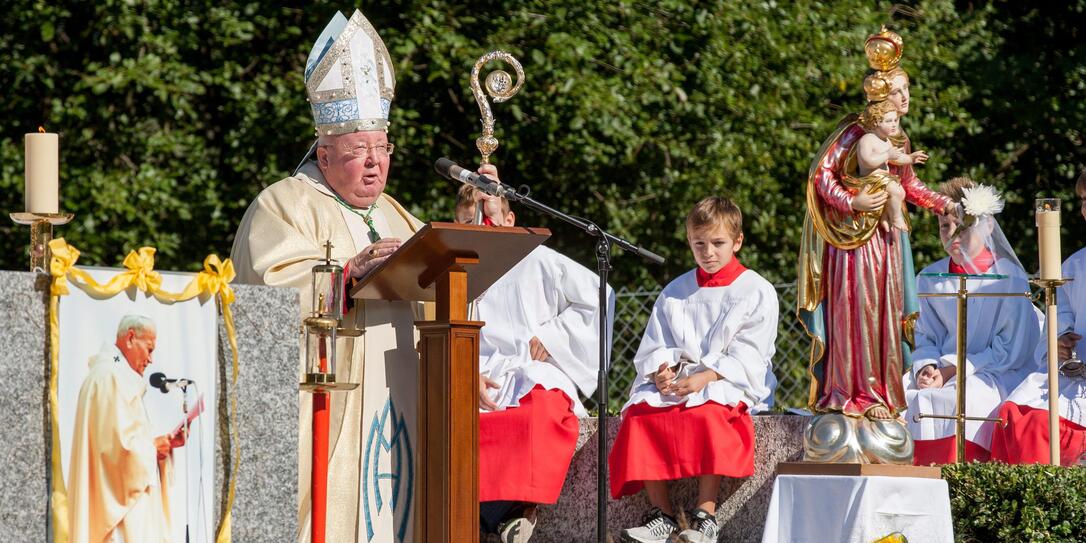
[[118, 470], [1024, 438]]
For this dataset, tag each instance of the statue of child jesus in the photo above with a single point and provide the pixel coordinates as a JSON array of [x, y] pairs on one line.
[[875, 151]]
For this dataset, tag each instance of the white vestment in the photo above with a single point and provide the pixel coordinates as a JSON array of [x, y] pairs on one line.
[[115, 480], [1001, 333], [555, 299], [1071, 300], [372, 429], [730, 330]]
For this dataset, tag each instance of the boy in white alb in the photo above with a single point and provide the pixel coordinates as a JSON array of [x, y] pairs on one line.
[[538, 348], [1023, 438], [1001, 334], [703, 366]]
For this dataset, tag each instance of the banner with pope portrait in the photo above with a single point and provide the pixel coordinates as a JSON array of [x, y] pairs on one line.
[[134, 356]]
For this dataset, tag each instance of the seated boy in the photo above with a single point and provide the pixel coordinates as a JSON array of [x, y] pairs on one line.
[[539, 346], [703, 366], [1023, 437]]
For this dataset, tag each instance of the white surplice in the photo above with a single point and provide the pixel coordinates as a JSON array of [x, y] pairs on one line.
[[1001, 333], [555, 299], [730, 330], [1071, 300]]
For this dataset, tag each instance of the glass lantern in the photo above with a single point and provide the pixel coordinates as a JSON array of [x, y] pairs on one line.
[[322, 325]]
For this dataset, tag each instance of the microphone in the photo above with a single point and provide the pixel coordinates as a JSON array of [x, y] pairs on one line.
[[164, 385], [451, 170]]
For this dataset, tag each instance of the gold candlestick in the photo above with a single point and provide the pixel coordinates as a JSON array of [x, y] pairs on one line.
[[41, 233], [501, 87]]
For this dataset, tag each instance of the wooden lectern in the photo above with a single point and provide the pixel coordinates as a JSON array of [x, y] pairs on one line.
[[450, 264]]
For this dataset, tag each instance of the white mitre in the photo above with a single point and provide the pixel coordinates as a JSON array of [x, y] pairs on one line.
[[349, 80]]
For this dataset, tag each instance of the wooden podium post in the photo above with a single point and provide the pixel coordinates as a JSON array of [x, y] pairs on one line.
[[449, 264]]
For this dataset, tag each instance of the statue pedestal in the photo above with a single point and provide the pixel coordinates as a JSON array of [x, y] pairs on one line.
[[859, 470]]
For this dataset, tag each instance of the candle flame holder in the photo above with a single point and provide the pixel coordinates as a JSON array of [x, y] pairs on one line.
[[41, 233]]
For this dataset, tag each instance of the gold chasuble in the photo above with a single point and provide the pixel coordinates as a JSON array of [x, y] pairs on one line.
[[117, 487], [371, 467]]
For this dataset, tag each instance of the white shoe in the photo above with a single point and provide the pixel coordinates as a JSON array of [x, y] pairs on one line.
[[703, 528], [657, 528]]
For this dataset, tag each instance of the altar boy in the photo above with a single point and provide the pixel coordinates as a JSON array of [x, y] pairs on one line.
[[704, 365], [538, 348], [1023, 436]]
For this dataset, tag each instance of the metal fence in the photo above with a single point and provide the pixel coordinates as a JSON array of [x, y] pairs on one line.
[[632, 308]]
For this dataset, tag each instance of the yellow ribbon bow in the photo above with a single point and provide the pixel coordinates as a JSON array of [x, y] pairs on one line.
[[216, 278], [141, 271], [62, 261]]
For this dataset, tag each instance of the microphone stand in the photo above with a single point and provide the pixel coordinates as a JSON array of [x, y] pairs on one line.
[[604, 242], [185, 432]]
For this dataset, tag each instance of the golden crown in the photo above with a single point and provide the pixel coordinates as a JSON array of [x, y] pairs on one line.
[[884, 50], [876, 87]]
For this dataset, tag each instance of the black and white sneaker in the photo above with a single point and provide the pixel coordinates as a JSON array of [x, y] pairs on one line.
[[703, 528], [657, 528]]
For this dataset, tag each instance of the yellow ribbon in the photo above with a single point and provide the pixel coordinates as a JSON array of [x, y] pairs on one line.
[[214, 280]]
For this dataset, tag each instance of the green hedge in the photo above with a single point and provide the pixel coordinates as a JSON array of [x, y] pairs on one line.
[[1001, 503]]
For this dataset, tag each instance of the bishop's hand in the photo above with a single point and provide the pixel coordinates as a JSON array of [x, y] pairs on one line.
[[372, 256]]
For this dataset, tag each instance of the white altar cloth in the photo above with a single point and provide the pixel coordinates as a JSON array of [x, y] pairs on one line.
[[823, 508]]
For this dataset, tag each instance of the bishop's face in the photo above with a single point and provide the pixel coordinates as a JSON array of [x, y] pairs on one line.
[[899, 93], [713, 246], [356, 165]]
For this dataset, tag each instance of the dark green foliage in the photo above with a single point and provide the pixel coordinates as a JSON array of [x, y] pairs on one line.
[[174, 115], [1011, 504]]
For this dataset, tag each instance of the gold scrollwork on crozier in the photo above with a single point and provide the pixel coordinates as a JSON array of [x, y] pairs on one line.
[[501, 87]]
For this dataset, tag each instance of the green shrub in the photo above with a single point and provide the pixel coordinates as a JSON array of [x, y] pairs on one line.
[[1001, 503]]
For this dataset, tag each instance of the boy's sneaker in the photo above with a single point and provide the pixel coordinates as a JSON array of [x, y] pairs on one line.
[[517, 530], [657, 528], [703, 528]]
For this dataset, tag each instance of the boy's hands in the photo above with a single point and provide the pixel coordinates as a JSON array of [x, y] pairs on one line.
[[694, 383], [485, 403], [664, 376]]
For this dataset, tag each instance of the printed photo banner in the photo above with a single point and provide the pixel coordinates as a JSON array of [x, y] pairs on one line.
[[103, 408]]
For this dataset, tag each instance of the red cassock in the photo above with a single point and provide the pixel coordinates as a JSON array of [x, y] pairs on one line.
[[944, 451], [676, 442], [1024, 438], [524, 452]]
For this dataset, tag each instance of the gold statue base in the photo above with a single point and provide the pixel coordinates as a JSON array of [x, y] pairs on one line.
[[839, 439]]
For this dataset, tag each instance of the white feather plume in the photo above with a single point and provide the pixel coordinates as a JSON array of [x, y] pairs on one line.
[[981, 201]]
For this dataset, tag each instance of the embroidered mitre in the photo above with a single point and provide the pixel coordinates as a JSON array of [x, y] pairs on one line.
[[349, 80]]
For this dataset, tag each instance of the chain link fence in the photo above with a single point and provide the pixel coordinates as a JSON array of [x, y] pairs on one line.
[[632, 309]]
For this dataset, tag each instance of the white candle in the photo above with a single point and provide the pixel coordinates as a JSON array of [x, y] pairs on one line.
[[42, 172], [1048, 238]]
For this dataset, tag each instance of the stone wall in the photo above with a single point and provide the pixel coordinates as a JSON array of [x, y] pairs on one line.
[[743, 502]]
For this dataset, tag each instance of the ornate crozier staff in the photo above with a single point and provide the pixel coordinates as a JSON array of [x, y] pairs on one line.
[[501, 87]]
